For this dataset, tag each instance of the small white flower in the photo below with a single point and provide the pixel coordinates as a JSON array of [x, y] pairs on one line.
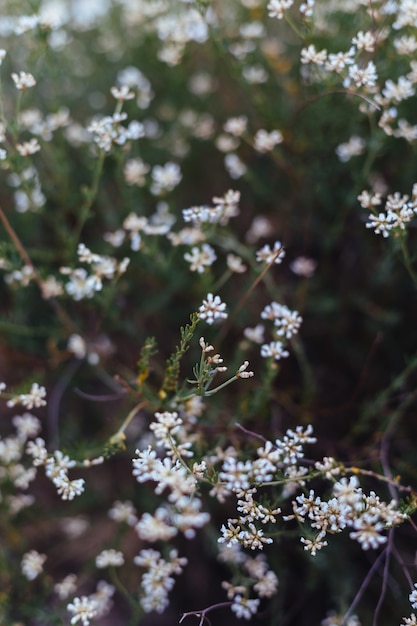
[[274, 349], [382, 223], [234, 166], [303, 266], [277, 8], [265, 141], [165, 178], [236, 126], [243, 607], [28, 147], [32, 564], [255, 334], [35, 398], [354, 147], [212, 309], [268, 255], [66, 587], [83, 610], [122, 93], [311, 55], [413, 597], [200, 258], [109, 558], [23, 80]]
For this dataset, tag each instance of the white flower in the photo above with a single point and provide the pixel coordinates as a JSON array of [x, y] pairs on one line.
[[406, 15], [306, 8], [28, 147], [235, 264], [135, 171], [365, 41], [311, 55], [66, 587], [35, 398], [413, 597], [27, 426], [234, 166], [361, 77], [165, 178], [83, 609], [286, 321], [274, 349], [381, 223], [67, 488], [264, 141], [109, 558], [200, 258], [123, 512], [268, 255], [236, 126], [255, 334], [243, 607], [212, 309], [354, 147], [303, 266], [367, 531], [32, 564], [23, 81], [255, 74], [368, 200], [122, 93], [401, 90], [277, 8], [314, 545]]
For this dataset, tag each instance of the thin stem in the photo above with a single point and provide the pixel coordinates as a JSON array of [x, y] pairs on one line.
[[407, 260], [246, 296], [250, 433], [211, 392], [293, 26], [90, 194], [404, 568], [202, 613], [120, 434], [363, 587], [384, 577], [385, 479]]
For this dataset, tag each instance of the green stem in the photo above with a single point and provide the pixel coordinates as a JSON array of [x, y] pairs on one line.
[[293, 26], [407, 260], [120, 436], [90, 194], [211, 392]]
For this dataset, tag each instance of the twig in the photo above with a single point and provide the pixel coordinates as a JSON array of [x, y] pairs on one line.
[[202, 614], [362, 588], [246, 296], [60, 312], [251, 433], [388, 553]]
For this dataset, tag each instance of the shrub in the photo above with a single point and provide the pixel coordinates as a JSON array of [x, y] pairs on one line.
[[208, 294]]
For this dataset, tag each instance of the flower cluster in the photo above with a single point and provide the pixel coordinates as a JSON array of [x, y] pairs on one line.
[[56, 469], [81, 284], [399, 211], [108, 130], [366, 515]]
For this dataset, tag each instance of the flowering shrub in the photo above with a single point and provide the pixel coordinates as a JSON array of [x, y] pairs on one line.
[[208, 355]]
